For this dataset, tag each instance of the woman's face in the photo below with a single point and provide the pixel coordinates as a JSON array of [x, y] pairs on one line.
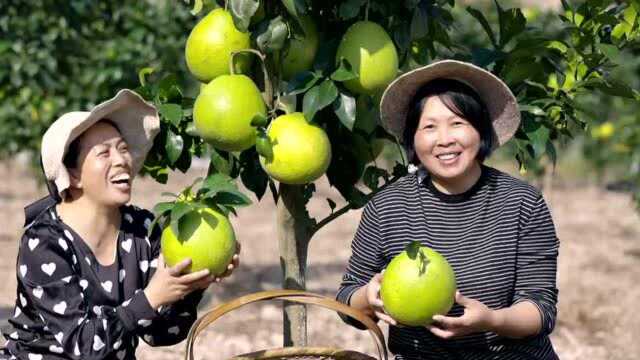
[[104, 166], [446, 144]]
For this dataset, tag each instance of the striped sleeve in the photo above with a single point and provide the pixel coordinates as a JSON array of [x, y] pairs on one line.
[[366, 259], [536, 262]]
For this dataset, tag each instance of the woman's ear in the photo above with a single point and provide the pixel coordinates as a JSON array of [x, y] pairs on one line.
[[75, 179]]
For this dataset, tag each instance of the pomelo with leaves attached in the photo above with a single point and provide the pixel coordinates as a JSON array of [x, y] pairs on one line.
[[417, 284], [196, 225]]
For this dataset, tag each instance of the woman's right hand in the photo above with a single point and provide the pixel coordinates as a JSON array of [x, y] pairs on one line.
[[168, 284], [372, 295]]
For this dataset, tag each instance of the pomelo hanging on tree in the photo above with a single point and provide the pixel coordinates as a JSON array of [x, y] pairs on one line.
[[211, 43], [373, 56]]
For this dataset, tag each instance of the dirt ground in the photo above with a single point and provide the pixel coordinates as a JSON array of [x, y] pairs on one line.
[[599, 269]]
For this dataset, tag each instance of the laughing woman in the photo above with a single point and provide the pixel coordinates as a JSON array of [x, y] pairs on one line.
[[90, 281], [495, 230]]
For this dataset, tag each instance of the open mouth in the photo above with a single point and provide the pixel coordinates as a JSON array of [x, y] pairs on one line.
[[448, 156], [122, 180]]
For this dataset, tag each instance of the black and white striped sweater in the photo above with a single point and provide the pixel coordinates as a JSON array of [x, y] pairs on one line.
[[499, 238]]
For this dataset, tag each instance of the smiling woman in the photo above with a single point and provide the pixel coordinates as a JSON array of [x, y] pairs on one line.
[[90, 278], [494, 230]]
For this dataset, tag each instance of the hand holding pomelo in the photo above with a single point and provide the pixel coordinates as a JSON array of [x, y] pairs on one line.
[[418, 284]]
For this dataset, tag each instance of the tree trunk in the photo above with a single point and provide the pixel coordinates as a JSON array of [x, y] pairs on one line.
[[294, 236]]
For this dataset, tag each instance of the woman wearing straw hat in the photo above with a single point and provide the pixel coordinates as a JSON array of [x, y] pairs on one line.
[[90, 281], [496, 231]]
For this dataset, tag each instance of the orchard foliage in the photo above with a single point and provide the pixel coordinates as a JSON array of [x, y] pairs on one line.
[[549, 72], [59, 56]]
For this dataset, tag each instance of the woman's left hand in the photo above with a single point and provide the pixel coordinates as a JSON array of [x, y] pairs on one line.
[[477, 317], [235, 262]]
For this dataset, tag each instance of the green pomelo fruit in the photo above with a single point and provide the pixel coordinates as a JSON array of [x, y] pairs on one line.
[[372, 54], [413, 291], [206, 237], [301, 152], [224, 109], [210, 44], [300, 54]]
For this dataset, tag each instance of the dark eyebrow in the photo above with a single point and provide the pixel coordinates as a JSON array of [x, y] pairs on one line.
[[448, 118]]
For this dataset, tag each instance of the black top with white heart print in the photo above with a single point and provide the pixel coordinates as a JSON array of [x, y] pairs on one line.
[[69, 306]]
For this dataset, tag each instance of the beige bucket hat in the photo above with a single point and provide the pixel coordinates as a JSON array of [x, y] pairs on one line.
[[496, 95], [136, 119]]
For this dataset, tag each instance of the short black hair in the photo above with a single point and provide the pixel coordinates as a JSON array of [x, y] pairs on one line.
[[70, 159], [463, 101]]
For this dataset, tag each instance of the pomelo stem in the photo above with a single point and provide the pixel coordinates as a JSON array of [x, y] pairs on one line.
[[366, 11], [268, 85]]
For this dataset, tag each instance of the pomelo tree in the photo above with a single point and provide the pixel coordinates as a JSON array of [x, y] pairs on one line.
[[319, 68]]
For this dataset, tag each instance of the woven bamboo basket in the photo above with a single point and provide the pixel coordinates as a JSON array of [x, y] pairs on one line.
[[306, 353]]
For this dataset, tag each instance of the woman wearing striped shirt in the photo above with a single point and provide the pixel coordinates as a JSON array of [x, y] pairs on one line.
[[496, 231]]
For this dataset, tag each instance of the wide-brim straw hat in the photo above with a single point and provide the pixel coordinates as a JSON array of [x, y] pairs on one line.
[[496, 95], [137, 121]]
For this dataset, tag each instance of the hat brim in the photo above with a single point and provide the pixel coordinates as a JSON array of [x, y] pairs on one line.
[[137, 121], [496, 95]]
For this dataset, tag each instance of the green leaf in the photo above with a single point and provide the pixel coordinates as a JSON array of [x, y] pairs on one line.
[[295, 7], [485, 24], [613, 87], [162, 207], [345, 108], [221, 162], [371, 177], [252, 175], [274, 36], [512, 25], [344, 72], [233, 198], [168, 89], [319, 97], [218, 182], [142, 74], [174, 145], [287, 103], [264, 147], [350, 9], [179, 210], [535, 110], [171, 112], [419, 23], [242, 11], [539, 139], [259, 120], [356, 198], [610, 51], [302, 82], [412, 249]]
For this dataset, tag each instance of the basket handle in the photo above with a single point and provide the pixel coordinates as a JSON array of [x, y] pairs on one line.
[[296, 296]]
